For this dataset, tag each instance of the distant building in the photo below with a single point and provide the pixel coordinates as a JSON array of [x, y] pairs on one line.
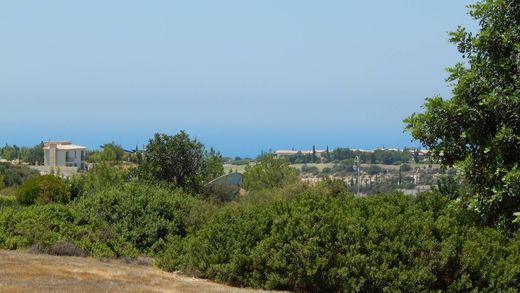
[[63, 154], [287, 153]]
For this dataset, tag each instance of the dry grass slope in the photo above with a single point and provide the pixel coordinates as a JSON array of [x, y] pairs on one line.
[[25, 272]]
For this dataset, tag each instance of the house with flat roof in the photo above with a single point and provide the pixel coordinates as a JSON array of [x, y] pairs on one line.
[[63, 154]]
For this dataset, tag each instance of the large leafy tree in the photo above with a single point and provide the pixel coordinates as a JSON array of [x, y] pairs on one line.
[[180, 161], [479, 127]]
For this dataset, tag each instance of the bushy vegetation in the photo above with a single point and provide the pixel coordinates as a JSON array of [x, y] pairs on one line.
[[31, 155], [42, 190], [269, 172], [45, 225], [13, 175], [141, 213], [314, 242], [379, 156]]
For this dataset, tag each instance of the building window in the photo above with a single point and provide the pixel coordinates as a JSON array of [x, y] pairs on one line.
[[68, 157]]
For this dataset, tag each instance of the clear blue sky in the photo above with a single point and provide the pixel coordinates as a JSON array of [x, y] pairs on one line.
[[242, 76]]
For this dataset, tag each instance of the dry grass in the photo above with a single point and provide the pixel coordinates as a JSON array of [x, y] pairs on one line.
[[25, 272]]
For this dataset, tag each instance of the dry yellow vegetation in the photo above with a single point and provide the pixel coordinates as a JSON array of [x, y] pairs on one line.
[[26, 272]]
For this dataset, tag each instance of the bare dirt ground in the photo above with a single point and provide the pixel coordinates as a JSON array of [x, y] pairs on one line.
[[25, 272]]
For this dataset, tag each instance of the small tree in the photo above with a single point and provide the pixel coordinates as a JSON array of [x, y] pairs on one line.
[[177, 160], [269, 172], [214, 165]]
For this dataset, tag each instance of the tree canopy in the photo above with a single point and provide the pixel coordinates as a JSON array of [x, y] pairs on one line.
[[269, 172], [478, 129], [180, 161]]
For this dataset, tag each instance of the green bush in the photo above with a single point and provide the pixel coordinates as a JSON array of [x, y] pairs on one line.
[[102, 176], [13, 175], [269, 172], [47, 225], [7, 201], [313, 242], [42, 190], [141, 213]]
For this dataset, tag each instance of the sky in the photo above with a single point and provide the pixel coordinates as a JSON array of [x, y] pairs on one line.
[[240, 76]]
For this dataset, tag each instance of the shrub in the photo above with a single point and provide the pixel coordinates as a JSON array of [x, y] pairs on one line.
[[102, 176], [44, 225], [313, 242], [42, 190], [65, 248], [374, 169], [406, 168], [269, 172], [141, 213], [14, 175]]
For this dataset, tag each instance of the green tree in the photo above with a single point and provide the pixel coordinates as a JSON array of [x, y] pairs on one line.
[[9, 152], [177, 160], [269, 172], [111, 152], [214, 165], [479, 127]]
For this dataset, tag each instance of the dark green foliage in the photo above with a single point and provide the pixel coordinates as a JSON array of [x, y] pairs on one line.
[[46, 225], [331, 187], [315, 242], [14, 175], [479, 127], [42, 190], [33, 155], [141, 213], [449, 186], [177, 160], [381, 156], [7, 201], [269, 172]]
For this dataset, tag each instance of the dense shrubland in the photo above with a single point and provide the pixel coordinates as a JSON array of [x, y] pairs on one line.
[[314, 241]]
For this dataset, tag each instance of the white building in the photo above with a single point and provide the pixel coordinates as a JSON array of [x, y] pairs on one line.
[[287, 153], [63, 154]]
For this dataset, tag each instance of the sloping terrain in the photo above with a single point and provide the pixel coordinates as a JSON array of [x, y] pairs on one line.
[[25, 272]]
